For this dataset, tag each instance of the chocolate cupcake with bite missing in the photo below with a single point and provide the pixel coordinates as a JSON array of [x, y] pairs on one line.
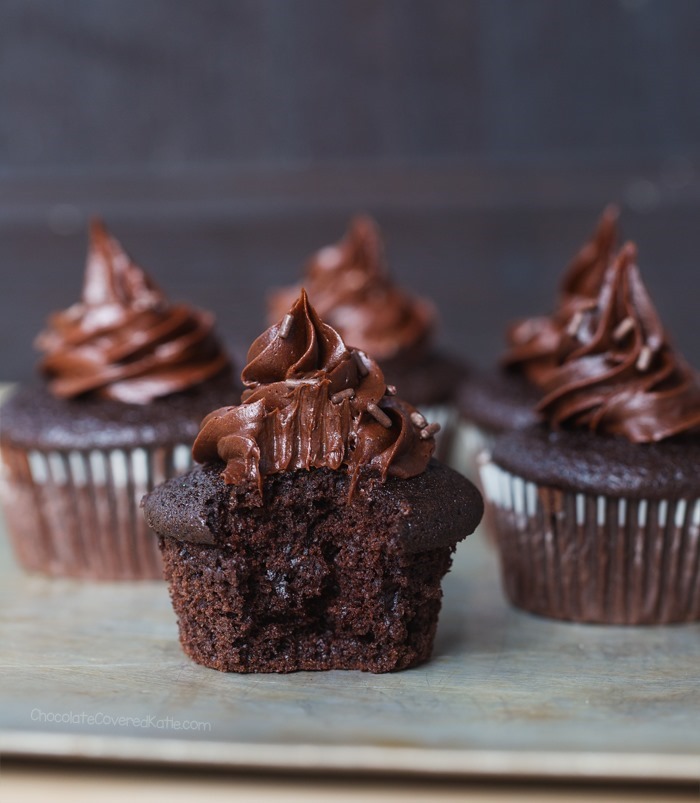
[[350, 286], [317, 530], [598, 509], [127, 378]]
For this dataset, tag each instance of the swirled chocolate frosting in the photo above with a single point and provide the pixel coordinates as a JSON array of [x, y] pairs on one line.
[[123, 340], [350, 286], [535, 343], [312, 402], [618, 373]]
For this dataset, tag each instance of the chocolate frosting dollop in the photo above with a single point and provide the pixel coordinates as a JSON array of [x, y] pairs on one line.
[[619, 374], [124, 340], [312, 402], [535, 343], [350, 286]]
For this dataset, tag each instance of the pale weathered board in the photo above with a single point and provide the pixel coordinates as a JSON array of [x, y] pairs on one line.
[[506, 693]]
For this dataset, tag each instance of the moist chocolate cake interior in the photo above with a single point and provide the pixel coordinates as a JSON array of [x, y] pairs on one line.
[[310, 579]]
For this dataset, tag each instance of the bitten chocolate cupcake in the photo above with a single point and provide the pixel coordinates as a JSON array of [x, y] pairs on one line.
[[317, 530], [127, 379], [598, 510], [350, 285], [505, 398]]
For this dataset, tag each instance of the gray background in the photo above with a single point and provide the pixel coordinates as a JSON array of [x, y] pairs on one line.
[[225, 141]]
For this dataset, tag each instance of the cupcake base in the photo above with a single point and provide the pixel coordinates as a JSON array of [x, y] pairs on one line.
[[446, 416], [310, 580], [385, 618], [77, 514], [467, 443], [74, 473], [489, 403], [588, 557]]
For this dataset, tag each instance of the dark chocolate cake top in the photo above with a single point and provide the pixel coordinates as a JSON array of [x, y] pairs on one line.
[[437, 508], [535, 343], [350, 286], [498, 401], [124, 341], [582, 462], [32, 417], [312, 402], [619, 374]]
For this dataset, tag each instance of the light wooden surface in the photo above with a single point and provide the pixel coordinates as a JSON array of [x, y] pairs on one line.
[[506, 695]]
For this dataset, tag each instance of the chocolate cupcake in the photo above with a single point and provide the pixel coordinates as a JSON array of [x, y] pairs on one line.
[[317, 530], [350, 285], [504, 399], [127, 379], [598, 509]]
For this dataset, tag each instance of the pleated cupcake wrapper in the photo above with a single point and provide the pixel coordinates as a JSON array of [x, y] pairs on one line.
[[77, 513], [468, 442], [595, 558], [446, 415]]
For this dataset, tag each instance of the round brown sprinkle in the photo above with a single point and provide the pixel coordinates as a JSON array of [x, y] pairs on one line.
[[429, 431], [418, 420], [379, 415]]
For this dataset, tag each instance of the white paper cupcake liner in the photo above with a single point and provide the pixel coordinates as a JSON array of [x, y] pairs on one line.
[[77, 513], [468, 442], [446, 415], [592, 558]]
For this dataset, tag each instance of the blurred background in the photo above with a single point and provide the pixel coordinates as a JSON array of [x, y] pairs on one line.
[[226, 140]]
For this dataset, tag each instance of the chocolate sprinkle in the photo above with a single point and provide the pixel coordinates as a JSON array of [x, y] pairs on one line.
[[341, 395], [429, 431], [418, 420], [379, 415], [285, 326]]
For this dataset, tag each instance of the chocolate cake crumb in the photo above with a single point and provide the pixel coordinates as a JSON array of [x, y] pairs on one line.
[[310, 580]]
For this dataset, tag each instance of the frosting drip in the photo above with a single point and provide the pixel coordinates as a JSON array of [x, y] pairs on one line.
[[123, 340], [350, 287], [311, 402], [535, 343], [618, 373]]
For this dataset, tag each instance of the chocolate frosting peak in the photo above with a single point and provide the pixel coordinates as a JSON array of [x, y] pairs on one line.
[[618, 374], [534, 343], [112, 281], [586, 272], [123, 340], [350, 286], [306, 345], [311, 402]]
